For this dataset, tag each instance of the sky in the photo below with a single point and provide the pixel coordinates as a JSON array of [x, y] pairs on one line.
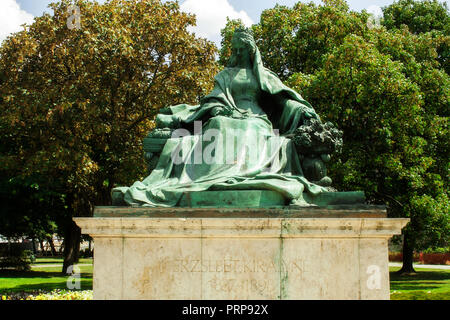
[[211, 14]]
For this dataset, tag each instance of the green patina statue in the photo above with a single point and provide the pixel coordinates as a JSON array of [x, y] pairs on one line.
[[250, 136]]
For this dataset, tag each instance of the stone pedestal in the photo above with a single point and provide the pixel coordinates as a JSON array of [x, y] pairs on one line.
[[148, 253]]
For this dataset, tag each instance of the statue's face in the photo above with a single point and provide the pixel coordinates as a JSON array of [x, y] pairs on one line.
[[240, 51]]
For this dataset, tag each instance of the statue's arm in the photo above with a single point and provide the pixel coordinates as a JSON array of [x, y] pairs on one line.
[[294, 113], [180, 116], [307, 111], [169, 121]]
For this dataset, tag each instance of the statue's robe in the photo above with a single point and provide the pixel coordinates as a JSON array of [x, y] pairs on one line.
[[260, 160]]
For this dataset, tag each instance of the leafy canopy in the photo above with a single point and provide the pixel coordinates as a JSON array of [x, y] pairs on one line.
[[75, 104], [420, 16], [387, 89]]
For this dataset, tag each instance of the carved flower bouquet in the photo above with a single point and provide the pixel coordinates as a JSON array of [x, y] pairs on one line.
[[315, 142], [315, 138]]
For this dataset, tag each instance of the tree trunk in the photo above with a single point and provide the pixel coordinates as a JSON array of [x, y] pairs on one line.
[[52, 246], [61, 248], [43, 252], [34, 246], [71, 245], [408, 255]]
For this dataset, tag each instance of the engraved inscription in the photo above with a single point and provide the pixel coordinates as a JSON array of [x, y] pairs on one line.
[[189, 264], [234, 285], [228, 274]]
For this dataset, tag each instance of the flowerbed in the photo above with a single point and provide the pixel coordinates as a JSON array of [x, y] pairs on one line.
[[53, 295]]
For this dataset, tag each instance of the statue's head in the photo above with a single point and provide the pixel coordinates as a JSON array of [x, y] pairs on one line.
[[243, 47]]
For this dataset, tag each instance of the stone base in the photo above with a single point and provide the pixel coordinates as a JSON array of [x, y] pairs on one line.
[[265, 199], [223, 254], [257, 199]]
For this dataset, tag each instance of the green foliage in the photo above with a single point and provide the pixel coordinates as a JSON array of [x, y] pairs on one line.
[[76, 104], [387, 89], [29, 209], [426, 16], [419, 16], [297, 39], [432, 213], [438, 250], [13, 256], [371, 102]]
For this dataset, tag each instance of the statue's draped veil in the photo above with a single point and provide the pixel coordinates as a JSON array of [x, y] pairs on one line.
[[268, 81]]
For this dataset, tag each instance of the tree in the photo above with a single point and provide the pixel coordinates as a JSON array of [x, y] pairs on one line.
[[388, 91], [75, 104], [424, 55], [29, 211], [392, 141], [420, 16], [296, 39], [427, 16]]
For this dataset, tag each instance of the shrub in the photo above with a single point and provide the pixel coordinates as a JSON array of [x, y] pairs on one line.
[[13, 256], [86, 253]]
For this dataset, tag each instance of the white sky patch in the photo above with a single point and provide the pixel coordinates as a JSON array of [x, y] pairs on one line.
[[11, 18], [376, 10], [212, 17]]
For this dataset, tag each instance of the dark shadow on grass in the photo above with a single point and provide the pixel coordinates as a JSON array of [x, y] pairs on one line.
[[29, 274], [85, 284], [414, 287], [36, 274], [421, 276], [61, 261], [48, 262]]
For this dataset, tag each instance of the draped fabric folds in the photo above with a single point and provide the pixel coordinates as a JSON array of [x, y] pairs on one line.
[[237, 150]]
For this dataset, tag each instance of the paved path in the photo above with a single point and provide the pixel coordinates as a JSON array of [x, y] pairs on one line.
[[423, 266]]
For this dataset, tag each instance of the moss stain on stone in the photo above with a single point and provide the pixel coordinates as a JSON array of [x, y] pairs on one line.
[[284, 276]]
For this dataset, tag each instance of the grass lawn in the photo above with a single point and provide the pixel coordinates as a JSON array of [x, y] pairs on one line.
[[43, 277], [427, 284]]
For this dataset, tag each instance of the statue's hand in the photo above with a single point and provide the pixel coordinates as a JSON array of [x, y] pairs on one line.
[[167, 121], [165, 111], [309, 113]]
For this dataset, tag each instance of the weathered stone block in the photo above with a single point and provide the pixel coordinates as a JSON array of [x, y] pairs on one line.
[[225, 254]]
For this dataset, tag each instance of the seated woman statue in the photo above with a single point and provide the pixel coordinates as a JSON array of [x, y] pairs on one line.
[[234, 145]]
